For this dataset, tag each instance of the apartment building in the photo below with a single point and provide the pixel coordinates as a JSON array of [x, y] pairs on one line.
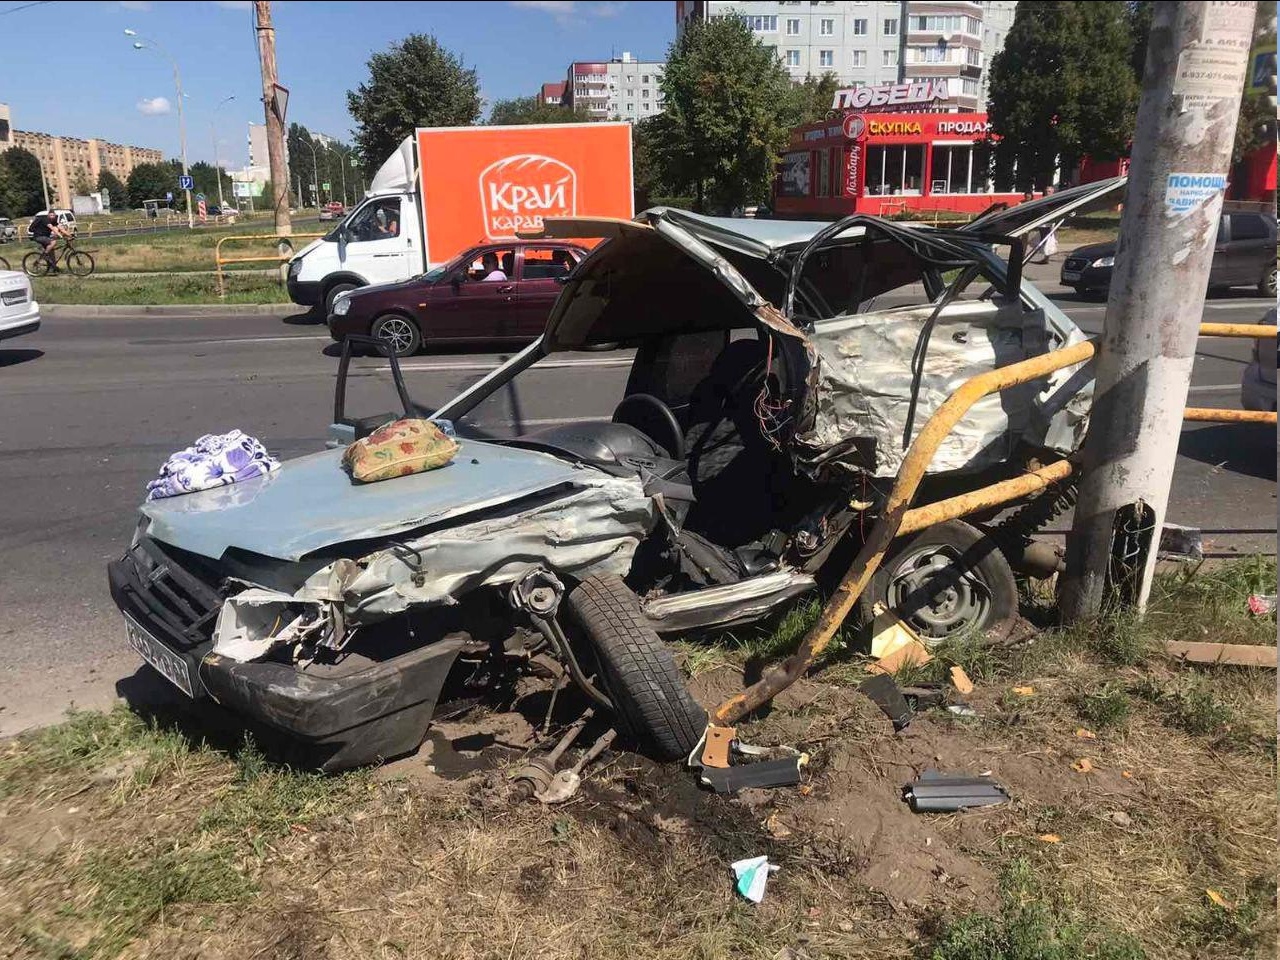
[[552, 93], [623, 88], [866, 44], [66, 161]]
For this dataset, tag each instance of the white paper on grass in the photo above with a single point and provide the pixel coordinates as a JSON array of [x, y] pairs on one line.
[[752, 875]]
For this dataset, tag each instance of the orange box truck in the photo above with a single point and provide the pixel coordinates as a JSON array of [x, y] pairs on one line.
[[446, 189]]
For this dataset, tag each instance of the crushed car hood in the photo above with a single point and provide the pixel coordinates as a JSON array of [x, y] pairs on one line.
[[310, 503]]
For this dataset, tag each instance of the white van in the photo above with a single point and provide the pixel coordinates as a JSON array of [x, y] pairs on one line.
[[66, 220], [375, 243]]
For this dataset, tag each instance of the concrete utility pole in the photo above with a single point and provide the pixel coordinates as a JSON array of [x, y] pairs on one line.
[[275, 124], [1196, 62]]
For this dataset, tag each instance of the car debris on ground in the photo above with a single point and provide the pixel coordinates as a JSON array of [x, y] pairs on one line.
[[938, 792]]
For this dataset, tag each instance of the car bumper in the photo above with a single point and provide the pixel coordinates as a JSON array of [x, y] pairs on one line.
[[375, 711], [1255, 392], [15, 325], [1088, 278], [339, 327], [305, 293]]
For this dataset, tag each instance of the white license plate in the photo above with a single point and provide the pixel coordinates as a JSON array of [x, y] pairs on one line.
[[171, 666], [1070, 275]]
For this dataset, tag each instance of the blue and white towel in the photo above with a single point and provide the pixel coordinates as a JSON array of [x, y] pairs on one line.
[[212, 461]]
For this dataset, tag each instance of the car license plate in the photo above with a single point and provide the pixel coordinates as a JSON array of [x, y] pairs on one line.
[[171, 666], [1070, 274]]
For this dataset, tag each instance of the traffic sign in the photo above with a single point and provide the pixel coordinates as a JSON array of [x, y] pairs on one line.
[[186, 183], [199, 196], [325, 186]]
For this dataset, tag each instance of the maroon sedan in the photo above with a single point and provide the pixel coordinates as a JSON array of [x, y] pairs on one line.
[[496, 291]]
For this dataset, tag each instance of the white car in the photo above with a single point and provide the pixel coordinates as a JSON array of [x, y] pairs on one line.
[[19, 312]]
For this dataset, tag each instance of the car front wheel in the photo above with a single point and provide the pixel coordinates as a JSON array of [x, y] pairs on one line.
[[399, 332], [1267, 287]]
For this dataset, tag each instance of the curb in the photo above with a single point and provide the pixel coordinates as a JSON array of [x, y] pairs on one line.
[[171, 309]]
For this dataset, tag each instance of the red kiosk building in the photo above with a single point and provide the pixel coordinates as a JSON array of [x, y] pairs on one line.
[[891, 151]]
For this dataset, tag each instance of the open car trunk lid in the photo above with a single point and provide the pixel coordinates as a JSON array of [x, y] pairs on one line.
[[311, 503]]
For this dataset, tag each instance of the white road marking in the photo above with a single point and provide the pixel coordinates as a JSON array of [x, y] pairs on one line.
[[1215, 388], [472, 365]]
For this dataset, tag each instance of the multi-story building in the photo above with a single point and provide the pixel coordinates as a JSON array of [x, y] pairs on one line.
[[552, 93], [623, 88], [69, 163], [867, 44]]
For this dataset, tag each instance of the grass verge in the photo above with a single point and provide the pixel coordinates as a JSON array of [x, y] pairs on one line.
[[105, 289]]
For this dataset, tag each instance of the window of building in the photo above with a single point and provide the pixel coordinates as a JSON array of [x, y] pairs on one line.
[[859, 58], [761, 24], [793, 27], [891, 26], [952, 169], [973, 56], [969, 86], [890, 58], [895, 169], [859, 28], [823, 158], [826, 58], [826, 28], [793, 58]]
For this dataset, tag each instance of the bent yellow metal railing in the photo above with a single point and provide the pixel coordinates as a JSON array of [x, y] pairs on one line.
[[897, 519], [277, 258]]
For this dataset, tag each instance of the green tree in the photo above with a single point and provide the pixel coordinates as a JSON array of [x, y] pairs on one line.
[[82, 186], [811, 100], [521, 110], [21, 192], [206, 180], [729, 105], [1138, 15], [417, 83], [1062, 88], [151, 181], [116, 192]]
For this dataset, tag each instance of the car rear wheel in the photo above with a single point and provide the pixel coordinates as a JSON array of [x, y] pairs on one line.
[[637, 669], [1267, 287], [399, 332], [949, 580]]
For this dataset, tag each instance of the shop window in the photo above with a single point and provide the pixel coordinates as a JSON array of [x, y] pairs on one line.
[[824, 172], [895, 169], [952, 170], [793, 178]]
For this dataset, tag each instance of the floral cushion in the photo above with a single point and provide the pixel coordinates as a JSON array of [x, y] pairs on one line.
[[398, 449]]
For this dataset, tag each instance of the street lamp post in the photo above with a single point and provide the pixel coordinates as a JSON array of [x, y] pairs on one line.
[[343, 165], [143, 43], [217, 170], [315, 174]]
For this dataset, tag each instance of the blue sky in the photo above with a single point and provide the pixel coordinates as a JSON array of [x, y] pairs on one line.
[[90, 82]]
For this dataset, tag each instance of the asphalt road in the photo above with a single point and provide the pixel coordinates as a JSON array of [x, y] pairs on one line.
[[93, 405]]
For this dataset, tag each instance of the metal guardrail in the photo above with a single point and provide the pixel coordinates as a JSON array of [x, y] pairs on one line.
[[898, 519], [281, 255]]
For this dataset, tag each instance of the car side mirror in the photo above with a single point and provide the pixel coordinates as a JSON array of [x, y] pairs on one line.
[[457, 278]]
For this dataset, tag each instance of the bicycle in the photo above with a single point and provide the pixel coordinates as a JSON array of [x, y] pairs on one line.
[[79, 262]]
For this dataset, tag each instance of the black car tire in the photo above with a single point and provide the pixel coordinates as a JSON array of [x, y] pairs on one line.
[[1267, 286], [637, 670], [969, 552], [331, 295], [398, 330]]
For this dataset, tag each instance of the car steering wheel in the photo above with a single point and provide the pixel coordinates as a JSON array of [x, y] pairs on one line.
[[676, 445]]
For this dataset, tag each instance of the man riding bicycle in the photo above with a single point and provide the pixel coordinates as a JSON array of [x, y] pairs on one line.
[[45, 231]]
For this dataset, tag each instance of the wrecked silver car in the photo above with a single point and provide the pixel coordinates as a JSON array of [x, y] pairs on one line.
[[778, 372]]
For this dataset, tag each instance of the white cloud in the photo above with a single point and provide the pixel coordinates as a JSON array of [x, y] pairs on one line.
[[154, 106], [141, 5], [234, 4], [565, 11]]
